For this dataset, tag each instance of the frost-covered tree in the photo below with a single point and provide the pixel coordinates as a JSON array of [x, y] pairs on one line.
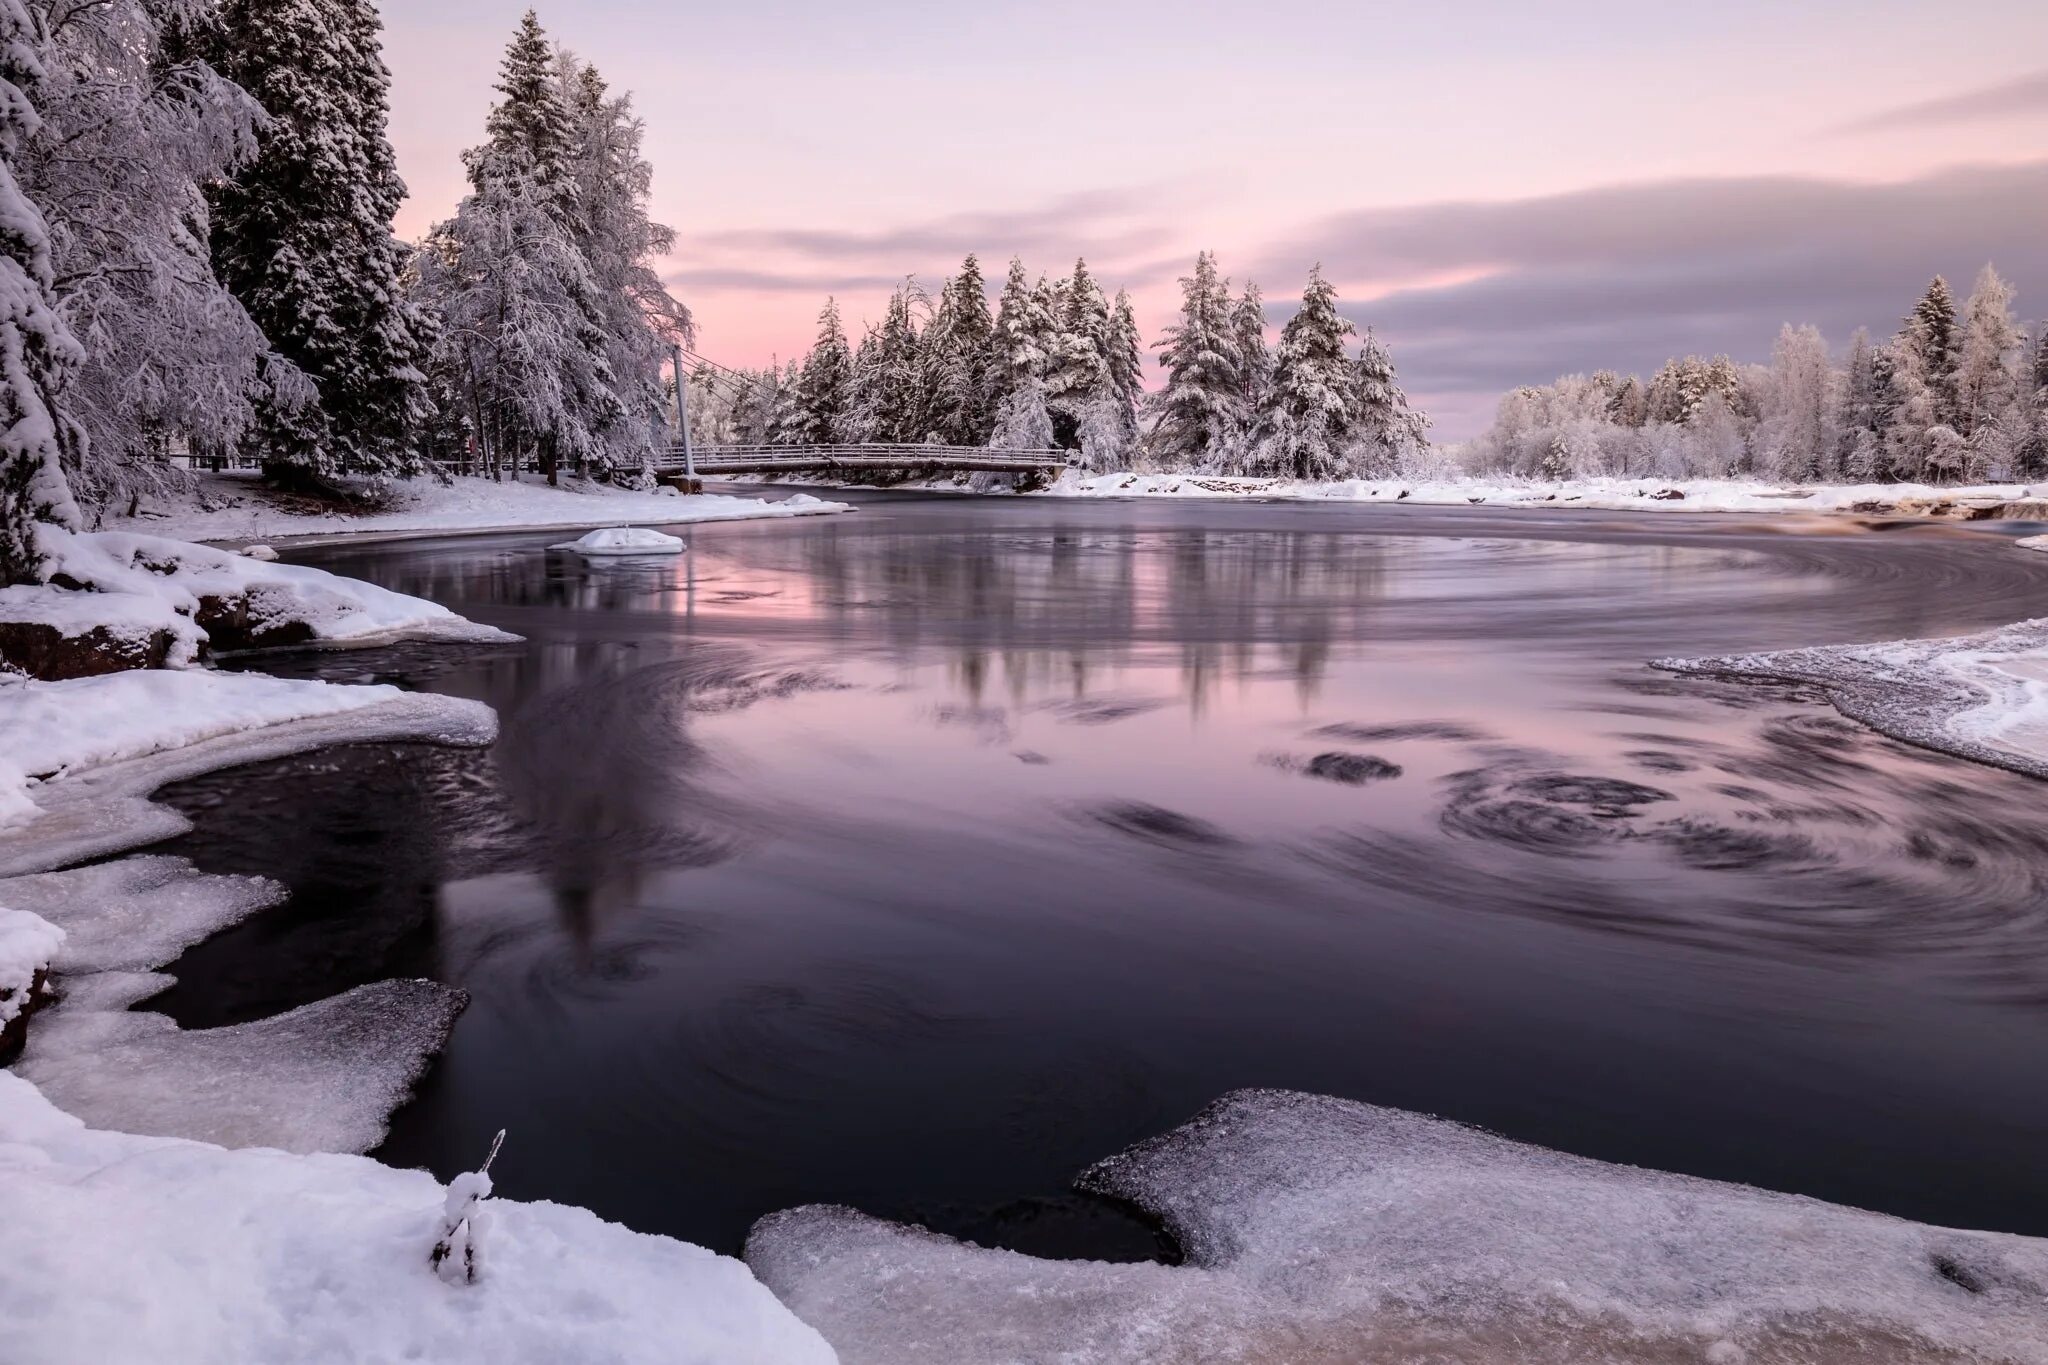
[[132, 127], [640, 321], [510, 285], [1305, 427], [1200, 413], [37, 352], [302, 234], [1930, 332], [1860, 424], [1386, 433], [1078, 376], [890, 387], [2030, 460], [1115, 419], [1254, 357], [1018, 349], [1989, 413], [1797, 439], [822, 388], [1023, 422], [958, 351], [1915, 437]]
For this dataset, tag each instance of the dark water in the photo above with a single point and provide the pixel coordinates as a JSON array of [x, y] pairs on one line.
[[915, 859]]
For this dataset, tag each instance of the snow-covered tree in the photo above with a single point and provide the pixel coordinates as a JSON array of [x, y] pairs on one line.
[[514, 294], [1304, 430], [629, 306], [1022, 422], [1797, 439], [890, 385], [37, 352], [1930, 332], [1200, 413], [1018, 350], [822, 389], [1915, 436], [1078, 376], [132, 126], [1860, 423], [302, 234], [1989, 412], [1386, 433], [1254, 357], [957, 359], [2030, 460]]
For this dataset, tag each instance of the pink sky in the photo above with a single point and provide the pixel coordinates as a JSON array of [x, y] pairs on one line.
[[1508, 194]]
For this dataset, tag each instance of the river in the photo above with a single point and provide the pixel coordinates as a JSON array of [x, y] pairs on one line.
[[916, 858]]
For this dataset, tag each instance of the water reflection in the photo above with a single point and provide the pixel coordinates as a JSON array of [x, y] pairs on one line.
[[917, 858]]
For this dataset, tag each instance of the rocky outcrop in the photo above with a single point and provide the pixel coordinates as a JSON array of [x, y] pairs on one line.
[[14, 1032], [43, 651], [239, 623]]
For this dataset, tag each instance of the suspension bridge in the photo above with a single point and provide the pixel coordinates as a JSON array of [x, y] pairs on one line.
[[686, 462]]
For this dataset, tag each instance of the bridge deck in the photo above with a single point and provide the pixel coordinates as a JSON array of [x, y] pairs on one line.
[[716, 460]]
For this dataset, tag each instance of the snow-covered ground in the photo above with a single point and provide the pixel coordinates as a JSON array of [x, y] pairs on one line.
[[123, 1248], [1320, 1230], [231, 507], [1649, 495]]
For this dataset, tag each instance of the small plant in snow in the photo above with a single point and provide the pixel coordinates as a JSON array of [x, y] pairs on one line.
[[456, 1257]]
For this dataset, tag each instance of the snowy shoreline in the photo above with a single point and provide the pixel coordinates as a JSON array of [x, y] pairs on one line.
[[242, 513]]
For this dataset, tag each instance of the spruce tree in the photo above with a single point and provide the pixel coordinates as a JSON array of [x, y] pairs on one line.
[[1201, 413], [1079, 375], [1931, 332], [958, 350], [1305, 429], [37, 351], [1255, 359], [1017, 352], [1385, 430], [827, 377], [2031, 460], [302, 234]]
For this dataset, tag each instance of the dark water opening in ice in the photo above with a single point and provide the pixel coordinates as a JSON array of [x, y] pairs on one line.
[[917, 858]]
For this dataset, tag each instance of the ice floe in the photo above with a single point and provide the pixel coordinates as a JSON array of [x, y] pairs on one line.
[[623, 540], [1322, 1230]]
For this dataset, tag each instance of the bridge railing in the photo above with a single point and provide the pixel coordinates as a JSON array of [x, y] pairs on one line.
[[866, 455]]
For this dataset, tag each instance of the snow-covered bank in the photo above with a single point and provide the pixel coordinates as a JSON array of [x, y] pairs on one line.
[[1649, 495], [235, 507], [1982, 697], [125, 1248], [1320, 1230]]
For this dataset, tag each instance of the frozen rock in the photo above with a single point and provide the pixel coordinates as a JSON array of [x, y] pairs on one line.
[[623, 540], [262, 552]]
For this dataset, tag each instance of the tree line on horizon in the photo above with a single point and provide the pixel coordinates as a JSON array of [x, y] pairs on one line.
[[1058, 365], [1953, 397]]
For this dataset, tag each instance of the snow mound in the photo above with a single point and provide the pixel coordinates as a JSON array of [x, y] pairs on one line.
[[2032, 542], [135, 578], [126, 1248], [623, 540], [262, 552], [137, 913], [77, 794], [1982, 697], [325, 1077], [1323, 1230], [27, 943]]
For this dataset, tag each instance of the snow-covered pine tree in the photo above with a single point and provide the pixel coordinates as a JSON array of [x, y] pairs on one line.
[[302, 234], [1796, 439], [508, 280], [1126, 360], [827, 376], [1930, 330], [1304, 430], [1079, 375], [1911, 438], [1255, 358], [37, 352], [957, 358], [1200, 411], [640, 321], [1385, 430], [1859, 426], [2030, 461], [1017, 352], [786, 414], [892, 388], [132, 126], [1989, 413]]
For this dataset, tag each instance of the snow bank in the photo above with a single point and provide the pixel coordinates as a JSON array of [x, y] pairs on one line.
[[1982, 697], [27, 943], [1322, 1230], [137, 913], [236, 510], [623, 540], [124, 1248], [1694, 495], [78, 780], [138, 582]]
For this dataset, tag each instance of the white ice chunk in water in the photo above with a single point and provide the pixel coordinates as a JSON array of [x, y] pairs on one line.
[[1323, 1230], [137, 913], [623, 540]]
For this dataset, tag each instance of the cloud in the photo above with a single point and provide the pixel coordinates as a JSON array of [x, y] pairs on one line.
[[2025, 97], [1625, 276]]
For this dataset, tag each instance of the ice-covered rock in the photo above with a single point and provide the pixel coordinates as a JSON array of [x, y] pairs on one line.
[[1321, 1230], [123, 1248], [27, 943], [262, 552], [623, 540]]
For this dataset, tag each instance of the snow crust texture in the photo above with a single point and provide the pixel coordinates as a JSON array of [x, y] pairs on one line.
[[1322, 1230], [124, 1248], [1982, 697], [27, 943]]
